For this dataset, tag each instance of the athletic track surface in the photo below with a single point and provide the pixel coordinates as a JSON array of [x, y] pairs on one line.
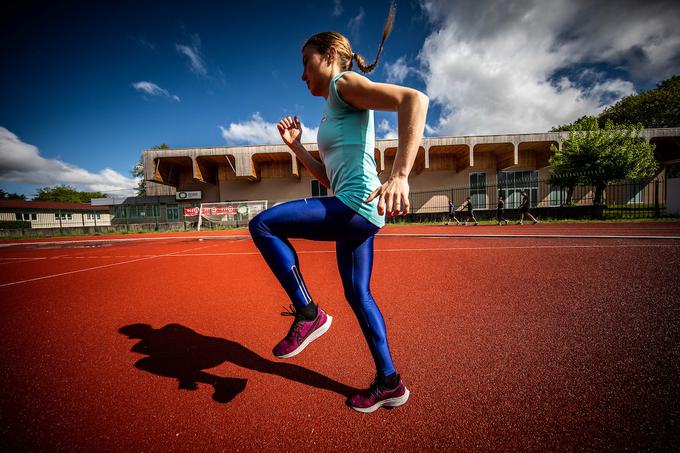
[[506, 341]]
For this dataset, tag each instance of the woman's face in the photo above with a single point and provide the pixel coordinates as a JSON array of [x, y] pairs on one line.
[[317, 71]]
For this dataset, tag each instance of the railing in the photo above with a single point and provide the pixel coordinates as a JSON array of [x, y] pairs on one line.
[[623, 199]]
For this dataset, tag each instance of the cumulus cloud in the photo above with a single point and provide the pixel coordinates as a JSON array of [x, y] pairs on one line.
[[21, 163], [388, 132], [525, 66], [355, 24], [152, 89], [337, 8], [193, 54], [257, 131], [398, 71]]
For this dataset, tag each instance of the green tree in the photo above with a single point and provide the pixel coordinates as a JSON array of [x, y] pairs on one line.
[[11, 195], [597, 156], [66, 194], [138, 171], [659, 107]]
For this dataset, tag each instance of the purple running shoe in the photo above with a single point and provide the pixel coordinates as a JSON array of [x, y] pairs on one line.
[[377, 396], [301, 333]]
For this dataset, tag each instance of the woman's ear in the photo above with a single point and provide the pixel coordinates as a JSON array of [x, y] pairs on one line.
[[332, 54]]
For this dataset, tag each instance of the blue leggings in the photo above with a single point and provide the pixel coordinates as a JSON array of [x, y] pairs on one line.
[[326, 219]]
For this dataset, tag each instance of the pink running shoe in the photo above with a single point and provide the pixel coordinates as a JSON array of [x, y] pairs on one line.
[[301, 333], [375, 397]]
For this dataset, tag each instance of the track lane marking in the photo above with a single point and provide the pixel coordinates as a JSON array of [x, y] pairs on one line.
[[427, 249], [101, 267]]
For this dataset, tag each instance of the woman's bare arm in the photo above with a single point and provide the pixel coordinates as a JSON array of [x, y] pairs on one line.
[[411, 107], [291, 132]]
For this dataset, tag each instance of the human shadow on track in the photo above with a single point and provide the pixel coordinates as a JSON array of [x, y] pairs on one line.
[[178, 352]]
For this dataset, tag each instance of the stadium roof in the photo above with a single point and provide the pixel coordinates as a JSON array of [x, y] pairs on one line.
[[49, 205]]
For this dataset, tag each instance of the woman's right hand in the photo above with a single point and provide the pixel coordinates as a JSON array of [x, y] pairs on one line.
[[290, 130]]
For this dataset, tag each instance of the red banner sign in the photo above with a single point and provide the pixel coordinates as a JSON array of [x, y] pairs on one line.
[[210, 210]]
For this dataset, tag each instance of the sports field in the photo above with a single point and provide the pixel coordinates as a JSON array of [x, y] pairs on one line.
[[509, 338]]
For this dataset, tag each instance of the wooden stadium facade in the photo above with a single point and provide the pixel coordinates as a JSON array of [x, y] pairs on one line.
[[271, 172]]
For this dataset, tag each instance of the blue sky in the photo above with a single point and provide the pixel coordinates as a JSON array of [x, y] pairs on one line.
[[86, 87]]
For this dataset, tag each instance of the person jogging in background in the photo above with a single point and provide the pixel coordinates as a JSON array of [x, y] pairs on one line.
[[469, 211], [452, 213], [524, 210], [500, 211], [356, 211]]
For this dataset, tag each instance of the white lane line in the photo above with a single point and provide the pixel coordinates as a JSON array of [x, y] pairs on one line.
[[21, 260], [531, 236], [382, 235], [434, 249], [90, 241], [102, 266], [182, 254]]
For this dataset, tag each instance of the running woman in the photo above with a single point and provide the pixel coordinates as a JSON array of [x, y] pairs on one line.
[[524, 209], [452, 213], [356, 211], [500, 211], [470, 214]]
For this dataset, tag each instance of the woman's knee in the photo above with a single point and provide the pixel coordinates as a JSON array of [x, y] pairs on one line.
[[257, 225]]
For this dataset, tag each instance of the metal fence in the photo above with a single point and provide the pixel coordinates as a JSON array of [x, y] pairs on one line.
[[622, 199]]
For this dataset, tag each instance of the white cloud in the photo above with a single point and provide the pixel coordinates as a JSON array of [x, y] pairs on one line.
[[355, 24], [337, 8], [21, 163], [152, 89], [388, 132], [193, 53], [496, 66], [257, 131], [398, 71]]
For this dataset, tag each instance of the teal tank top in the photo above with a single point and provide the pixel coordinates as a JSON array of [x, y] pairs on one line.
[[346, 140]]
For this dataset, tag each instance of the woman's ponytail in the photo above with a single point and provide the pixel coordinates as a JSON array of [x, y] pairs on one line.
[[361, 63]]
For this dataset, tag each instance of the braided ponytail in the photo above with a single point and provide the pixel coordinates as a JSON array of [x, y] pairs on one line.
[[324, 41], [361, 63]]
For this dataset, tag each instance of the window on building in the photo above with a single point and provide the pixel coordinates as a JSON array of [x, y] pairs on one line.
[[557, 196], [28, 216], [172, 212], [92, 216], [512, 183], [318, 189], [120, 211], [138, 211], [478, 190], [63, 215]]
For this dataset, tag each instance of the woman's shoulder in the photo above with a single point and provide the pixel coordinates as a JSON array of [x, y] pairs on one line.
[[349, 80]]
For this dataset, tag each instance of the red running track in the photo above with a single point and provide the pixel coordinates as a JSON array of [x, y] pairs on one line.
[[505, 343]]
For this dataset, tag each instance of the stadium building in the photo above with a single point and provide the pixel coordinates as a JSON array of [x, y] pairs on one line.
[[480, 163]]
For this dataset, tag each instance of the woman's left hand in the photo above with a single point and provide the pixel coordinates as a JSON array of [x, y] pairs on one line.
[[393, 196]]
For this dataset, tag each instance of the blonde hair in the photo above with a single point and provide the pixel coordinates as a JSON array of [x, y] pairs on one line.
[[322, 42]]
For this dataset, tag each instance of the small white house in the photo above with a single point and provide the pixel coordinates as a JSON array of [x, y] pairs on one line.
[[51, 214]]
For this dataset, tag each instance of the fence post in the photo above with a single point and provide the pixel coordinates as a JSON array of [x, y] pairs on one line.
[[94, 216], [656, 198], [60, 229]]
